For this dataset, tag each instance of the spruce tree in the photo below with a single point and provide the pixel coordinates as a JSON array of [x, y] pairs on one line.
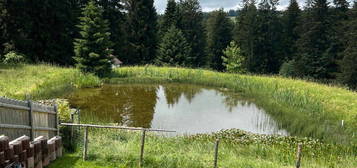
[[174, 50], [313, 58], [191, 24], [269, 50], [245, 33], [93, 48], [171, 16], [348, 64], [219, 35], [291, 24], [141, 31]]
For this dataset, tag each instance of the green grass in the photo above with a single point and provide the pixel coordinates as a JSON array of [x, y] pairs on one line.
[[108, 148], [303, 108], [42, 81]]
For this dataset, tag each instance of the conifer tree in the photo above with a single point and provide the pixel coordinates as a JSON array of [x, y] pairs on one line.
[[93, 48], [245, 33], [171, 16], [348, 64], [219, 35], [313, 58], [174, 50], [269, 49], [291, 24], [191, 24], [141, 31]]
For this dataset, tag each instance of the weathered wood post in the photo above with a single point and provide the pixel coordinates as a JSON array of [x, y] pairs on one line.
[[298, 161], [31, 119], [57, 119], [142, 148], [216, 153], [72, 129], [85, 147]]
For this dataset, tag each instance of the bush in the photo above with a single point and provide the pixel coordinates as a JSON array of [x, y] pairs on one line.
[[288, 69], [233, 60], [13, 58]]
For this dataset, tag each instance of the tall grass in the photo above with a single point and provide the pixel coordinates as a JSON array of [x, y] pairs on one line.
[[109, 148], [304, 108], [42, 81]]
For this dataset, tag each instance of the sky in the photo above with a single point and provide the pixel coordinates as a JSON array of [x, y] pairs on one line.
[[209, 5]]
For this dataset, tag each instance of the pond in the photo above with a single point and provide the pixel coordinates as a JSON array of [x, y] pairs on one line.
[[187, 109]]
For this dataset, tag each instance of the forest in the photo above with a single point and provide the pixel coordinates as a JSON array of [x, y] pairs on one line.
[[316, 41]]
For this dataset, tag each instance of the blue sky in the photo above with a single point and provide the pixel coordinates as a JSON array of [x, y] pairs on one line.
[[209, 5]]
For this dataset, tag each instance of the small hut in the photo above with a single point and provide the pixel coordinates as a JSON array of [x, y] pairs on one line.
[[116, 62]]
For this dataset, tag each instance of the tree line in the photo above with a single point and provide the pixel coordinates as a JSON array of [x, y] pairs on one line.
[[317, 41]]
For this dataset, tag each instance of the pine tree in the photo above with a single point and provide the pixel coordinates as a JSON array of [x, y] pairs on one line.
[[348, 64], [313, 58], [191, 24], [219, 35], [141, 31], [92, 50], [291, 24], [174, 49], [171, 17], [245, 33]]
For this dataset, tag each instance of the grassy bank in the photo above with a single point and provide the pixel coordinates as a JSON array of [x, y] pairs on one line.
[[42, 81], [113, 149], [304, 108]]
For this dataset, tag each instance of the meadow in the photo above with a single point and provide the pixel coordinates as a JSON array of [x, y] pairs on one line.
[[304, 108]]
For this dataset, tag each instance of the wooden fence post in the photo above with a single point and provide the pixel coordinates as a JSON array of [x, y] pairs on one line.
[[85, 147], [72, 129], [298, 161], [31, 119], [216, 153], [142, 148], [57, 119]]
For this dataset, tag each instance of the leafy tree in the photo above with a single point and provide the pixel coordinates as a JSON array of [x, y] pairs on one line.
[[174, 49], [233, 60], [348, 64], [245, 33], [219, 35], [141, 31], [171, 16], [92, 50], [191, 24], [313, 58]]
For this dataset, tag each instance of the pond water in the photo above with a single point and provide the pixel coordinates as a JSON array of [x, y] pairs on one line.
[[187, 109]]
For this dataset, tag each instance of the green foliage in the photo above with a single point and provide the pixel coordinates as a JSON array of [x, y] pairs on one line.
[[93, 49], [174, 49], [64, 110], [348, 64], [141, 32], [191, 24], [13, 58], [288, 69], [291, 20], [233, 60], [171, 17], [219, 35], [314, 58]]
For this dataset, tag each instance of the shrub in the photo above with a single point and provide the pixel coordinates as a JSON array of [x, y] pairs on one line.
[[13, 58], [233, 60], [288, 69]]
